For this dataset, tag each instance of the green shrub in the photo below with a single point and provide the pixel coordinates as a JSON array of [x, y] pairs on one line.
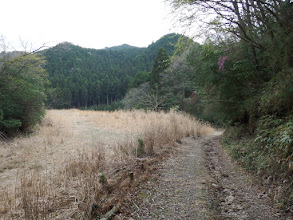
[[140, 150], [275, 136], [22, 93], [276, 97]]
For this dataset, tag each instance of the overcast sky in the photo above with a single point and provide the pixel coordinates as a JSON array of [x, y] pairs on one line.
[[87, 23]]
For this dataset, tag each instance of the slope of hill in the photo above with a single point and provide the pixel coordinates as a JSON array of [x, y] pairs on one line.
[[84, 77]]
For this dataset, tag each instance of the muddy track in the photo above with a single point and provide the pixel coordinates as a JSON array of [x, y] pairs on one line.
[[201, 182]]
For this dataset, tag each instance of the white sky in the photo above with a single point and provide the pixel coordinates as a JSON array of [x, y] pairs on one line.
[[87, 23]]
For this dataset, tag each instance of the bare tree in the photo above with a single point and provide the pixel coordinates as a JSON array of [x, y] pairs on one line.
[[239, 17], [136, 97], [264, 25], [154, 100]]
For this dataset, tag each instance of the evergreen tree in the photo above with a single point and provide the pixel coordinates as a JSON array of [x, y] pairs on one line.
[[22, 92], [139, 79], [162, 62]]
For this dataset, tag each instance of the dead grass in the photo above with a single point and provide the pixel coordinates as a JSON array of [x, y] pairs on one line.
[[56, 173]]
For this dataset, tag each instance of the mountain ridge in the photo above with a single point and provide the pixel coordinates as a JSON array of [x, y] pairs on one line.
[[121, 47]]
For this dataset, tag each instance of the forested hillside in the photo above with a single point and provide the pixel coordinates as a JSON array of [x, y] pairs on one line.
[[85, 77]]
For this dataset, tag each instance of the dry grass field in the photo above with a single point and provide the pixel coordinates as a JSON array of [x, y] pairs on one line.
[[78, 164]]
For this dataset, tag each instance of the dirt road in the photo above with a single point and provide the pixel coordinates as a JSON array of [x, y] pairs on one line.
[[201, 182]]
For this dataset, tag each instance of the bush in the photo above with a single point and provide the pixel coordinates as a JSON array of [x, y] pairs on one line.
[[276, 97], [139, 151], [22, 93], [275, 137]]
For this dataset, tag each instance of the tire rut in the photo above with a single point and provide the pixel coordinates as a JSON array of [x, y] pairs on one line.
[[201, 182], [236, 194]]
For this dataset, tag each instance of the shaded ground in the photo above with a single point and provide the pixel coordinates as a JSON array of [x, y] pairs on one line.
[[201, 182]]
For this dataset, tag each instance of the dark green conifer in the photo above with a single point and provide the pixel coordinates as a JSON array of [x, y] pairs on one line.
[[161, 63]]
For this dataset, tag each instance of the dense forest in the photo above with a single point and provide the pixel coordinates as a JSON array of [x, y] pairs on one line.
[[87, 77]]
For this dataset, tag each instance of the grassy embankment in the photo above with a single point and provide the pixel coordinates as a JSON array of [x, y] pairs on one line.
[[268, 154]]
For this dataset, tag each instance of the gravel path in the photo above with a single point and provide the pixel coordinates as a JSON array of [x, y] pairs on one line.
[[201, 182]]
